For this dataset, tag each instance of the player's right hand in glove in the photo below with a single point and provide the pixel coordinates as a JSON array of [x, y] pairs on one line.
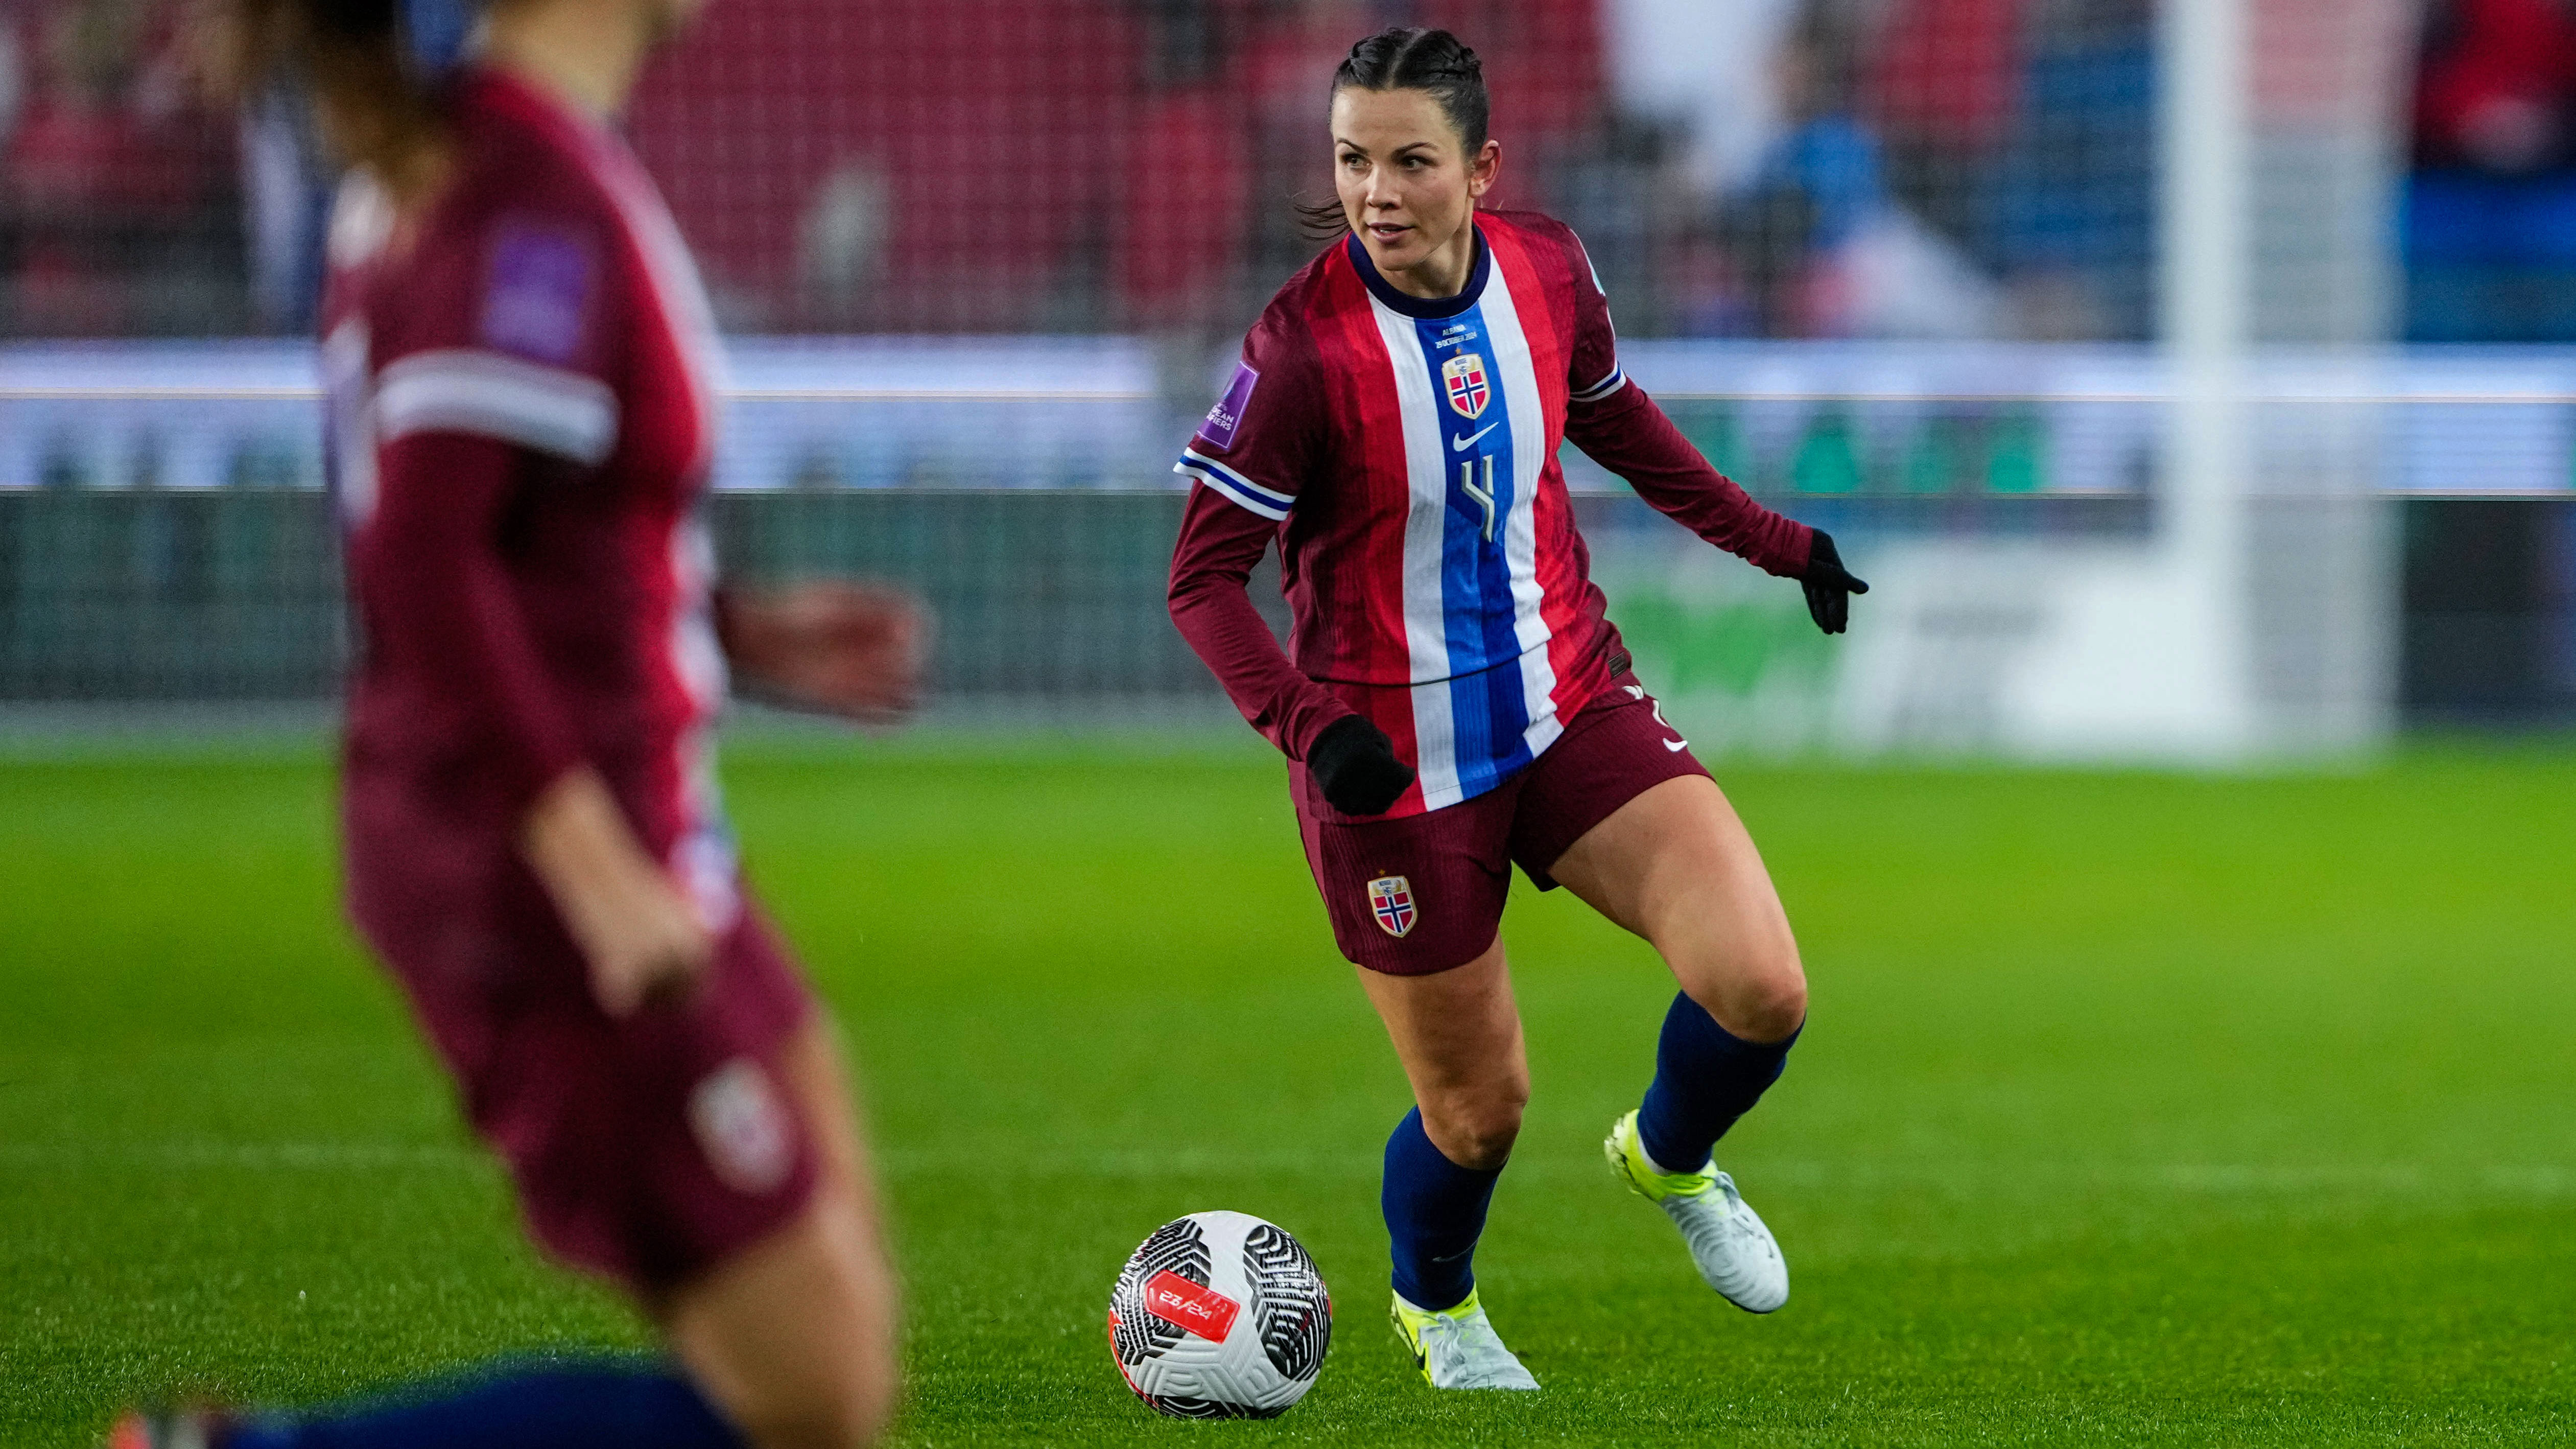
[[1829, 585], [1354, 764]]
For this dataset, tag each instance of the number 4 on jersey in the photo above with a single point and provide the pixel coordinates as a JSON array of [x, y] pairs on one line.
[[1483, 492]]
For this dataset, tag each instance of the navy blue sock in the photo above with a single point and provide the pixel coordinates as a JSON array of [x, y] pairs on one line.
[[1705, 1078], [1435, 1211], [538, 1408]]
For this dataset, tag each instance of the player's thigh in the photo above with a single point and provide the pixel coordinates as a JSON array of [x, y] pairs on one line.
[[793, 1337], [1458, 1034], [1676, 866]]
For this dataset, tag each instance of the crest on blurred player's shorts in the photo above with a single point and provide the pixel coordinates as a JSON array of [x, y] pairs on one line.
[[1464, 375], [1391, 901]]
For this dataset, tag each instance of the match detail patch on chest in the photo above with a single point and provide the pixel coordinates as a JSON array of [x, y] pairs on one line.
[[1391, 901]]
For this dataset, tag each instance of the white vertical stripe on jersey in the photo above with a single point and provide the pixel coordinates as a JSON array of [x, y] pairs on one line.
[[673, 274], [696, 657], [1426, 520], [1519, 384]]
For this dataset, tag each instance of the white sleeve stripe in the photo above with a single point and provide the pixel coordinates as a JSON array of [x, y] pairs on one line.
[[1617, 379], [493, 396], [1271, 496], [1228, 489]]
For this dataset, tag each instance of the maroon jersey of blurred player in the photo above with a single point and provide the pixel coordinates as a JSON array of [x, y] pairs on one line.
[[545, 302], [522, 377]]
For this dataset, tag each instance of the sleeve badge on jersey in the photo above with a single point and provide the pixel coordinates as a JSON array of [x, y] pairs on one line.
[[1227, 415], [1391, 901], [1469, 391], [537, 294]]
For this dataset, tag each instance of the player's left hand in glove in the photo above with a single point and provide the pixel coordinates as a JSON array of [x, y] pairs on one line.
[[1354, 764], [1829, 585]]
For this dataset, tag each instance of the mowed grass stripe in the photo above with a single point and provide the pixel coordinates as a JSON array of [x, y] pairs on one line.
[[2136, 1108]]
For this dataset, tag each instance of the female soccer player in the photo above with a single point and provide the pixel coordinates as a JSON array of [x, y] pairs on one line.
[[522, 381], [1458, 700]]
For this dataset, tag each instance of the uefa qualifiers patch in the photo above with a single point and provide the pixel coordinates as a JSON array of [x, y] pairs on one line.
[[1227, 416], [1391, 901]]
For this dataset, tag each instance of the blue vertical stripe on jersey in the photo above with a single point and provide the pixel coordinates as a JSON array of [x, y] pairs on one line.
[[1489, 713]]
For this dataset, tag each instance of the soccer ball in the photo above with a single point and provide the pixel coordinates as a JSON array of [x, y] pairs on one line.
[[1220, 1316]]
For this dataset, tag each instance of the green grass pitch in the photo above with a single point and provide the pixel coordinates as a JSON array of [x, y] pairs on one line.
[[2135, 1108]]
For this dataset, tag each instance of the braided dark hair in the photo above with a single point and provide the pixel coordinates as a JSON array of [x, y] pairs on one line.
[[1412, 58]]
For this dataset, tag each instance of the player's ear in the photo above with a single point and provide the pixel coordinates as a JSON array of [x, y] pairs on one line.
[[1483, 167]]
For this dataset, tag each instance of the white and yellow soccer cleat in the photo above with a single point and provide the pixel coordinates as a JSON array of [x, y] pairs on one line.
[[1736, 1254], [1457, 1349]]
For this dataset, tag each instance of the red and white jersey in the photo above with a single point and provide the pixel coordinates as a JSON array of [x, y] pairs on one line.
[[1408, 448], [541, 299]]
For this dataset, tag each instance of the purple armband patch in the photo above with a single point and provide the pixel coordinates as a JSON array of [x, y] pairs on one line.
[[1227, 415], [538, 293]]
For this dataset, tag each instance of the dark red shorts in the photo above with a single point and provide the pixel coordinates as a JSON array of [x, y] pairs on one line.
[[1424, 893], [647, 1149]]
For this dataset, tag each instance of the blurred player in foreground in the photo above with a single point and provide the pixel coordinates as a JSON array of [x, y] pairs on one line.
[[521, 372], [1459, 701]]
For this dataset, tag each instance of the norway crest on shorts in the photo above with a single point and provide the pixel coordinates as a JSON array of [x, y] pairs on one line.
[[1391, 901], [1464, 376]]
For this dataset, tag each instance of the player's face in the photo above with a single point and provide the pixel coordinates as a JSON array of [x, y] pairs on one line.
[[1408, 188]]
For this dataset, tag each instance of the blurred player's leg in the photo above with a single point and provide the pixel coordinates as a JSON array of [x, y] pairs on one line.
[[790, 1339], [795, 1337], [1458, 1034], [1676, 866], [561, 1407]]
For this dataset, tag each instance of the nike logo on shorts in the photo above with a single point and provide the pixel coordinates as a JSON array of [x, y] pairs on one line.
[[1674, 745]]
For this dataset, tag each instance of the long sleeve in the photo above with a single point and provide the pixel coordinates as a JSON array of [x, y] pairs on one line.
[[438, 600], [1628, 434], [1219, 545]]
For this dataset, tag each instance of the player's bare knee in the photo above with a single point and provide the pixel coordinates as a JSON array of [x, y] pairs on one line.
[[1761, 1004], [1477, 1131], [1764, 1009]]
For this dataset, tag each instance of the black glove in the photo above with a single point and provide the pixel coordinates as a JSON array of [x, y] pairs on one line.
[[1354, 764], [1829, 585]]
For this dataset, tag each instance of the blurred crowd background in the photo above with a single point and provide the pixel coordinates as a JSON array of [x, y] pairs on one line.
[[1787, 168], [1770, 168], [1741, 169]]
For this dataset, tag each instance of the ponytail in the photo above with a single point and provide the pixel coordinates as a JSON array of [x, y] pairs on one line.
[[380, 110]]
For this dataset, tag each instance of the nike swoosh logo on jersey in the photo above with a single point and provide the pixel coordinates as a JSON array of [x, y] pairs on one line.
[[1460, 445], [1677, 746]]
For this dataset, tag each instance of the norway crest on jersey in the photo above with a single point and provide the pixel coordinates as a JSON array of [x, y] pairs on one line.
[[1464, 375], [1391, 901]]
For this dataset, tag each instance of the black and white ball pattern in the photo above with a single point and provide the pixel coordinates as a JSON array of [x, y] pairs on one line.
[[1220, 1315]]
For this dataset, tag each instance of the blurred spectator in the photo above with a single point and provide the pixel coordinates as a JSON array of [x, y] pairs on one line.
[[1942, 88], [118, 210], [1820, 245], [2491, 208], [1185, 190], [13, 72], [285, 203], [1705, 73], [2071, 223]]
